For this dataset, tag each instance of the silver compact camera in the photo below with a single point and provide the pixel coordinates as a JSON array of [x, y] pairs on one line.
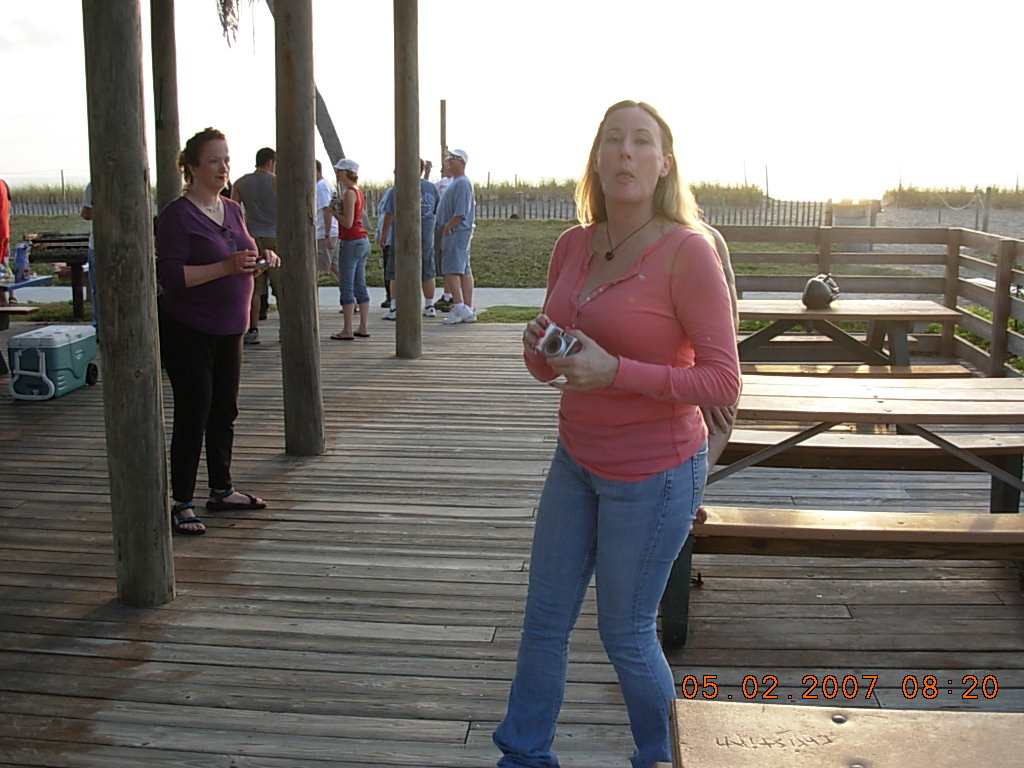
[[557, 343]]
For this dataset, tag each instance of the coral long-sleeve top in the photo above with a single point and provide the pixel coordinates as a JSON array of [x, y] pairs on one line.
[[669, 320]]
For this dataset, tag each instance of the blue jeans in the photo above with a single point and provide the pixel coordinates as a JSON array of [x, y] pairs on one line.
[[627, 535], [352, 271]]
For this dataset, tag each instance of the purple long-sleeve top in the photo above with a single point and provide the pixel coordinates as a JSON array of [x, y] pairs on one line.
[[186, 236]]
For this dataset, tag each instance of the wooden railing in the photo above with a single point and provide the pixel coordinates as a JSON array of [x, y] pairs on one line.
[[978, 273]]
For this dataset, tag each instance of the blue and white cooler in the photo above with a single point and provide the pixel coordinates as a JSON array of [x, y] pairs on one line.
[[52, 361]]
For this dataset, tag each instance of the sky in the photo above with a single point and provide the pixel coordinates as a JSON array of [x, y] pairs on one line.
[[809, 98]]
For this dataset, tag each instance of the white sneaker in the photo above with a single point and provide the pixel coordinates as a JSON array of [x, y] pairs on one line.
[[391, 314], [461, 314], [429, 311]]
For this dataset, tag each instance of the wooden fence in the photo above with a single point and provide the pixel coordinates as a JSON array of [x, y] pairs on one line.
[[779, 213], [978, 273], [521, 205], [53, 206]]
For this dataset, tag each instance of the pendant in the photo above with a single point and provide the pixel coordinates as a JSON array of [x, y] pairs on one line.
[[608, 256]]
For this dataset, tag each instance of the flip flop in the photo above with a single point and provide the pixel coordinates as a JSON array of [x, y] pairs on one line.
[[217, 503], [362, 335], [339, 337]]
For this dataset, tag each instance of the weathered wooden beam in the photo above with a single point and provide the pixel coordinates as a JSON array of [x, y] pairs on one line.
[[296, 183], [123, 229], [408, 243], [165, 101]]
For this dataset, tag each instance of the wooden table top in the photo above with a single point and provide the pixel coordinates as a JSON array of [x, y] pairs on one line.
[[709, 734], [978, 401], [852, 310]]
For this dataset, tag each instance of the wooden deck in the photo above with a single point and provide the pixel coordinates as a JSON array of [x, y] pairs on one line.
[[369, 616]]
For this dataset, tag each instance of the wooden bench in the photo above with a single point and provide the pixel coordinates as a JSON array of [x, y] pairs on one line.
[[6, 312], [9, 310], [859, 450], [831, 533], [710, 734], [842, 370]]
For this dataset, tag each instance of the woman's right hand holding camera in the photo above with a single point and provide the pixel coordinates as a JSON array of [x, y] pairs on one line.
[[534, 330]]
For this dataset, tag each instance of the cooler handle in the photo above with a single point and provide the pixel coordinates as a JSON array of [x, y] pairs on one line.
[[16, 371]]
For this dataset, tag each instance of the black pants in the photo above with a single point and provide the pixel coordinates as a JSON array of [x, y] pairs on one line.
[[386, 257], [204, 371]]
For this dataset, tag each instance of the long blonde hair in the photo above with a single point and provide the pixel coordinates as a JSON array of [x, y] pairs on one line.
[[673, 199]]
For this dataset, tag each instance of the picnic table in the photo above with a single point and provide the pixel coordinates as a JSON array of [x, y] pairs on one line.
[[909, 404], [953, 424], [887, 319], [73, 250]]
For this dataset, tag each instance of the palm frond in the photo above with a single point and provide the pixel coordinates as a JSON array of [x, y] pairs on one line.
[[227, 11]]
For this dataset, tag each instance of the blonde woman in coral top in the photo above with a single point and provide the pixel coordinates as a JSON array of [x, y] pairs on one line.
[[640, 288]]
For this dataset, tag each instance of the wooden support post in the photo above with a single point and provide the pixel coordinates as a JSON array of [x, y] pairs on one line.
[[296, 184], [328, 133], [824, 250], [444, 130], [1006, 253], [165, 102], [408, 241], [123, 230], [952, 279]]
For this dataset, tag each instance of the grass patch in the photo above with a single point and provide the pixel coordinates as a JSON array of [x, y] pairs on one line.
[[53, 312], [507, 253], [65, 225], [507, 314]]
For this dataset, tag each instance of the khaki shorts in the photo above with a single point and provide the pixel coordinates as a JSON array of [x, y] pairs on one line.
[[267, 280], [326, 258]]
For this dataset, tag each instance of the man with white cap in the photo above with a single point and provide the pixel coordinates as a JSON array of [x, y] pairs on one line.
[[455, 215]]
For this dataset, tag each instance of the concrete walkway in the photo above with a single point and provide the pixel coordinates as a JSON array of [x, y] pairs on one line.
[[328, 297]]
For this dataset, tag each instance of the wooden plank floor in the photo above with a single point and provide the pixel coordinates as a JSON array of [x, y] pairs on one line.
[[369, 616]]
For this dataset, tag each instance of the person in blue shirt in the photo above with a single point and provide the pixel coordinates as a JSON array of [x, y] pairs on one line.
[[456, 214], [428, 218]]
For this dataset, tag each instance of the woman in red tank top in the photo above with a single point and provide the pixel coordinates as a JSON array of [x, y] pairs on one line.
[[354, 250]]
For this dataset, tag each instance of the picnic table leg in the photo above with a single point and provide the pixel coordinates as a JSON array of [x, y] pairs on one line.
[[876, 334], [675, 602], [751, 343], [1004, 497], [859, 349], [899, 347], [77, 291]]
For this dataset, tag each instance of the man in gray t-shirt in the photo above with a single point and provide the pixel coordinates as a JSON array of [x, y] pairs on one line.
[[257, 192]]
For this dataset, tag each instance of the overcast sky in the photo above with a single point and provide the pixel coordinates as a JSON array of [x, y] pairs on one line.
[[830, 99]]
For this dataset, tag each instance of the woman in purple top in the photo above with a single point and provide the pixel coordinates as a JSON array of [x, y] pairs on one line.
[[205, 265]]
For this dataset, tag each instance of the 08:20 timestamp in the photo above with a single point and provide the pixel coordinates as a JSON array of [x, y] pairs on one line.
[[847, 687]]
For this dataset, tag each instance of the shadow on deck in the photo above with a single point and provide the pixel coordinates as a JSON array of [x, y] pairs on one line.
[[369, 616]]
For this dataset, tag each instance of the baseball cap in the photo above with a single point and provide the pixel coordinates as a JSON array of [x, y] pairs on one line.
[[461, 154], [345, 164]]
